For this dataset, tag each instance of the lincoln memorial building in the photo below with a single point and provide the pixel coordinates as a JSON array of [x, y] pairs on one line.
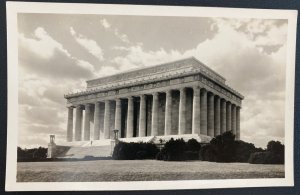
[[175, 98]]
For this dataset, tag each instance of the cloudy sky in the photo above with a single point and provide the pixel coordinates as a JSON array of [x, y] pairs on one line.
[[58, 53]]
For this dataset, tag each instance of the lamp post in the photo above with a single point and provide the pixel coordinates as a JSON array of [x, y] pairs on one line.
[[116, 134]]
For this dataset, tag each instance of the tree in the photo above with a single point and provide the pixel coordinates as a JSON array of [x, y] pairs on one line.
[[193, 145]]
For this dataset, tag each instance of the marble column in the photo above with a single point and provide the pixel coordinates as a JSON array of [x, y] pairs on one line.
[[233, 119], [154, 122], [130, 110], [70, 124], [228, 117], [182, 112], [210, 115], [168, 113], [203, 112], [237, 136], [142, 119], [223, 116], [87, 120], [217, 116], [107, 120], [78, 124], [118, 115], [196, 111], [97, 121]]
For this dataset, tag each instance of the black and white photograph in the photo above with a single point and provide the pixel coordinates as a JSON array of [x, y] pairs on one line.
[[130, 97]]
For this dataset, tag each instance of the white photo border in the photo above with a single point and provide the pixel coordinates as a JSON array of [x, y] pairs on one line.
[[13, 8]]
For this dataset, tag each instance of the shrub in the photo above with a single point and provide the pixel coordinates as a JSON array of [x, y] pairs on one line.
[[131, 151], [193, 145], [142, 154], [257, 158], [224, 148], [174, 150], [33, 154], [160, 155], [207, 153], [179, 150], [273, 155], [265, 158], [243, 151], [275, 147], [191, 155], [151, 149]]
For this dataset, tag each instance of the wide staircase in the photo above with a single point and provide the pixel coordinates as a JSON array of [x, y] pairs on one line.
[[84, 149], [91, 151]]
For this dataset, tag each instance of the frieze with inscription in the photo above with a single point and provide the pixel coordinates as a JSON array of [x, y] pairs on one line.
[[111, 93], [121, 91], [175, 81], [189, 79], [148, 86]]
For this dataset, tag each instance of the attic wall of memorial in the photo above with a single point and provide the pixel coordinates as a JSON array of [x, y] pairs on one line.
[[157, 71]]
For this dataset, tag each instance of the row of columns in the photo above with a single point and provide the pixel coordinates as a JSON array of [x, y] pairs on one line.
[[211, 116]]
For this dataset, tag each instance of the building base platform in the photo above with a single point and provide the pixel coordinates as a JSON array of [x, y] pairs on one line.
[[104, 148]]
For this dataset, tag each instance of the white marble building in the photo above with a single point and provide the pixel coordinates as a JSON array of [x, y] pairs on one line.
[[176, 98]]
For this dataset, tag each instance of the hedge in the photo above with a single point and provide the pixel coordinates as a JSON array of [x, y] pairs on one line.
[[34, 154], [179, 150], [224, 148], [273, 155], [132, 151]]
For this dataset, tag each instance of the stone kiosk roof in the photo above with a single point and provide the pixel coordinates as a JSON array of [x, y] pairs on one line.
[[185, 68]]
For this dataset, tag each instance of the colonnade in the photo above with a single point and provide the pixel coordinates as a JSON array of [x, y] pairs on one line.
[[211, 115]]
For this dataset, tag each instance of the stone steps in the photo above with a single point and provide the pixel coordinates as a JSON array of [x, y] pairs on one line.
[[103, 142], [138, 139], [94, 151]]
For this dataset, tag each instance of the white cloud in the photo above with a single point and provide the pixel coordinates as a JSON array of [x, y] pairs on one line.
[[121, 36], [85, 65], [105, 24], [137, 57], [44, 45], [42, 108], [90, 45], [46, 72], [274, 36], [43, 54], [268, 35], [107, 70]]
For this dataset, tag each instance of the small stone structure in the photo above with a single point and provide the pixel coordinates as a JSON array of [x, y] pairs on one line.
[[51, 147], [115, 140]]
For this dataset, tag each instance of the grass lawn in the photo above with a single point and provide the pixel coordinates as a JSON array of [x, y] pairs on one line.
[[141, 170]]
